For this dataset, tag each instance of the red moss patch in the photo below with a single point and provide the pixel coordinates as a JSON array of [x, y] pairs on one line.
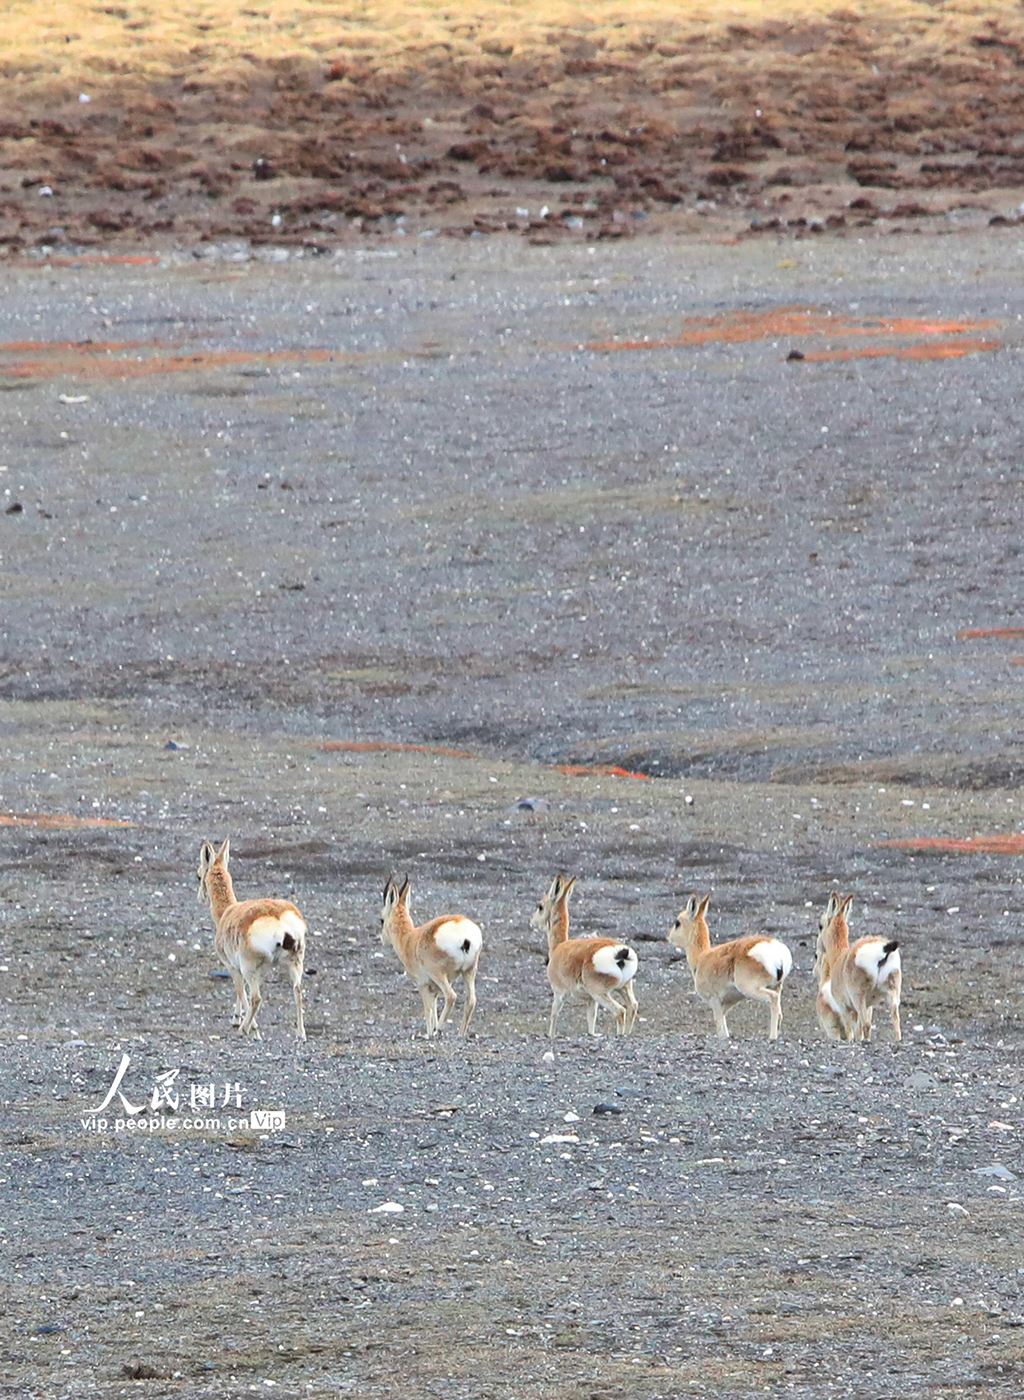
[[942, 350], [105, 359], [1009, 845], [740, 327], [52, 821], [968, 633], [601, 770]]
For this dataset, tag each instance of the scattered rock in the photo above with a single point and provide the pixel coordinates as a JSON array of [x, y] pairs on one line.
[[997, 1170]]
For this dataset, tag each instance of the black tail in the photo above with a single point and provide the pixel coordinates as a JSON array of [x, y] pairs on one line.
[[622, 956], [466, 945], [288, 943], [887, 951]]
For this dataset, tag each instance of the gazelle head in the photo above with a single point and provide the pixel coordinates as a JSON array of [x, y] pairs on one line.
[[831, 924], [552, 903], [690, 923], [396, 895], [209, 859]]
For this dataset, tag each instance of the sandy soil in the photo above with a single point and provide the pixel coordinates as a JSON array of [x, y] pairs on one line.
[[313, 124], [348, 557]]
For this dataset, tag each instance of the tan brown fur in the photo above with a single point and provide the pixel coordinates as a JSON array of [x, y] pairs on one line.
[[431, 968], [728, 973], [571, 970], [250, 937], [854, 990]]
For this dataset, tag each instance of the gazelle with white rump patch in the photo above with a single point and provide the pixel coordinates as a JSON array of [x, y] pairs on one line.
[[250, 937], [854, 978], [753, 968], [593, 968], [433, 955]]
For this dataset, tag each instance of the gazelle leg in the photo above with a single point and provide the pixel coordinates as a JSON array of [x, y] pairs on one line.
[[241, 1008], [249, 1026], [633, 1005], [469, 983], [592, 1016], [896, 1021], [719, 1013], [556, 1006], [621, 1014], [774, 1000], [448, 992], [295, 974], [429, 1008]]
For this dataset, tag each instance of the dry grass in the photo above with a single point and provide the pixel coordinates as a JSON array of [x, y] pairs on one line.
[[78, 43]]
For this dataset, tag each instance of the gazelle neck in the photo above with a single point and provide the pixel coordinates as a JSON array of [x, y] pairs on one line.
[[699, 941], [836, 937], [220, 890], [558, 926], [398, 926]]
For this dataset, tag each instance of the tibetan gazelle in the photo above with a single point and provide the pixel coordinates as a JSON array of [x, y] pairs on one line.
[[725, 974], [433, 955], [250, 938], [585, 967], [854, 978]]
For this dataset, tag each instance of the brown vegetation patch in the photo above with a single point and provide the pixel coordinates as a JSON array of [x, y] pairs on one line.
[[204, 121], [387, 746]]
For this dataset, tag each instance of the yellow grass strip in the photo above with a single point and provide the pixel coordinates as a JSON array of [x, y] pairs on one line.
[[75, 42]]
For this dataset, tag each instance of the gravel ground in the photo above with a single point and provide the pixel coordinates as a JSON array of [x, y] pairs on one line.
[[392, 504]]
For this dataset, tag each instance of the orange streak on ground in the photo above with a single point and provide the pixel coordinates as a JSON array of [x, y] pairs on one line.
[[942, 350], [570, 770], [387, 746], [53, 821], [84, 347], [1009, 845], [93, 260], [969, 632], [739, 327], [117, 368], [601, 770]]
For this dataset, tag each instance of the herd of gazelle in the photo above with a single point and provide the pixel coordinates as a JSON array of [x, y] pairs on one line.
[[253, 935]]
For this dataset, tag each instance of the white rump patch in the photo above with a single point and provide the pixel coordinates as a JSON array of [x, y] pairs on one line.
[[609, 962], [828, 998], [452, 938], [774, 957], [870, 955], [266, 935]]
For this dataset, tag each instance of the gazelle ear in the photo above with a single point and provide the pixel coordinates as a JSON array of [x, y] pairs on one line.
[[554, 889], [403, 893], [224, 854], [703, 908], [832, 907], [845, 907], [205, 856], [692, 905], [567, 886]]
